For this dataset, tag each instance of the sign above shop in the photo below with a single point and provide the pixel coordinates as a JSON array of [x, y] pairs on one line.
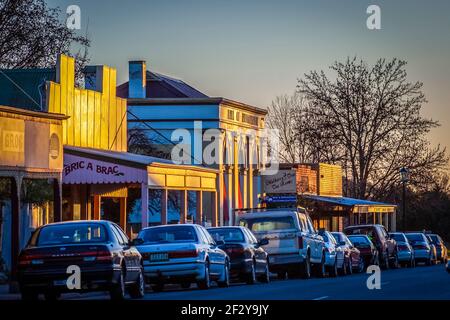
[[282, 182]]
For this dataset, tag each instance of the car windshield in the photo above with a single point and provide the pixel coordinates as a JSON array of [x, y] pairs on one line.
[[227, 234], [168, 234], [435, 239], [415, 237], [398, 237], [359, 241], [370, 232], [268, 223], [71, 234], [339, 237]]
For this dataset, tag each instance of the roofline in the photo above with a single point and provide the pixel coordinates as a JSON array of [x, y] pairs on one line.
[[31, 113], [204, 101]]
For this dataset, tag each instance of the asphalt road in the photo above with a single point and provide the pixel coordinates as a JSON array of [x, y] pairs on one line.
[[420, 283]]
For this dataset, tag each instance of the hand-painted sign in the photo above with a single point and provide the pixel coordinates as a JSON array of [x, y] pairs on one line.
[[282, 182], [85, 170]]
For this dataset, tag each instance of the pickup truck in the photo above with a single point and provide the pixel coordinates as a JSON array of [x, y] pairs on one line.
[[294, 247]]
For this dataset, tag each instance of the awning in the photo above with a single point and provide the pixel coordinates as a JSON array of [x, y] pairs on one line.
[[358, 205]]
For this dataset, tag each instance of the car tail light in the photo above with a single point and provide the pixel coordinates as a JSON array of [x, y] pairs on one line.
[[421, 247], [402, 247], [234, 251], [27, 259], [183, 254], [104, 255], [300, 242]]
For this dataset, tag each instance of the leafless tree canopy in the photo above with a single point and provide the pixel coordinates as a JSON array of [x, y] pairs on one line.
[[32, 35], [367, 119]]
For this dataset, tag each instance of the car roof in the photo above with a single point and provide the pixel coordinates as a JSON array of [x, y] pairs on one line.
[[364, 226], [226, 227], [103, 222], [262, 214], [173, 225]]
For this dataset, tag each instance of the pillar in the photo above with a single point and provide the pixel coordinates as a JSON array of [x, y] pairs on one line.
[[97, 205], [164, 196], [83, 202], [244, 190], [220, 186], [215, 218], [393, 226], [199, 211], [57, 200], [16, 185], [229, 184], [183, 206], [144, 205], [123, 213]]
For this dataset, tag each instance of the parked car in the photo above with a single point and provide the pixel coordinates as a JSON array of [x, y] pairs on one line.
[[248, 260], [422, 250], [433, 249], [386, 246], [101, 250], [366, 248], [405, 251], [294, 245], [352, 257], [182, 254], [442, 252], [334, 255]]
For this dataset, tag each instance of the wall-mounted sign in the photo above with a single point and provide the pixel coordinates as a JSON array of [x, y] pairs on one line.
[[13, 141], [54, 146], [282, 182]]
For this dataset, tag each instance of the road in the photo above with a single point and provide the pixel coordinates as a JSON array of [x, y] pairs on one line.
[[401, 284]]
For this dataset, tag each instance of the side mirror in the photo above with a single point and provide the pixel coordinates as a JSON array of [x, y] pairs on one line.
[[263, 242], [220, 242], [136, 242]]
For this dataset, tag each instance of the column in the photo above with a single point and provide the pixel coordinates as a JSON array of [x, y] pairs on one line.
[[229, 200], [386, 215], [97, 205], [220, 186], [57, 200], [214, 219], [235, 177], [144, 205], [123, 213], [83, 202], [164, 195], [183, 206], [393, 226], [16, 184], [199, 204], [244, 190]]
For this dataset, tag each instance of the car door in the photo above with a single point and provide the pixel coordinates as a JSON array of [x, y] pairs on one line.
[[391, 244], [315, 242], [259, 253], [216, 255], [127, 253]]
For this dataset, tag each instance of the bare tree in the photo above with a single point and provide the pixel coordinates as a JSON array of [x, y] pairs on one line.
[[368, 120], [32, 35]]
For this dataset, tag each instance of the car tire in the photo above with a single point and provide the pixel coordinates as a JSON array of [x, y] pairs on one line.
[[395, 263], [349, 266], [333, 272], [320, 268], [265, 277], [117, 292], [361, 265], [137, 290], [428, 262], [305, 268], [251, 276], [205, 283], [385, 258], [343, 270], [29, 295], [226, 282]]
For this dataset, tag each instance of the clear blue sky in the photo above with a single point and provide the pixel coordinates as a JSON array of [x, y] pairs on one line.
[[254, 50]]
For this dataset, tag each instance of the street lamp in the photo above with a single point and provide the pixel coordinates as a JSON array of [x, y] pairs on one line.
[[404, 177]]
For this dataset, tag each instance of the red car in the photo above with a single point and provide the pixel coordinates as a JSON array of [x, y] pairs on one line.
[[353, 259], [367, 249], [386, 246]]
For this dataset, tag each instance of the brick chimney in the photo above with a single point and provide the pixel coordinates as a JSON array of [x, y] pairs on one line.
[[137, 79]]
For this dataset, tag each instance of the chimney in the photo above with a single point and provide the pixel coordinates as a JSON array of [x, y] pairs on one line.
[[137, 80]]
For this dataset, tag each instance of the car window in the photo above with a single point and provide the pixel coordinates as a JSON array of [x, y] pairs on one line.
[[251, 237], [338, 237], [168, 234], [117, 235], [398, 237], [415, 237], [310, 225], [227, 234], [268, 223], [123, 237], [302, 221], [71, 233], [359, 240], [209, 239]]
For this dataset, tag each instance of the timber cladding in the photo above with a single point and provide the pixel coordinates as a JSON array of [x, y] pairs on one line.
[[97, 119], [329, 180]]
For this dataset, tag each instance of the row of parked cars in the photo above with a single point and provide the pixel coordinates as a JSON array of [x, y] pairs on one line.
[[283, 242]]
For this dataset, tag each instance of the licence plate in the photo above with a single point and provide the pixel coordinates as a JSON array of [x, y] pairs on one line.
[[59, 282], [155, 257]]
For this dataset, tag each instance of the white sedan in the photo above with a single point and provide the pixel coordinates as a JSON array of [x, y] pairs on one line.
[[183, 254]]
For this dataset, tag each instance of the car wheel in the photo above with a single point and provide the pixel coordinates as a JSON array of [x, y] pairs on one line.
[[320, 269], [251, 277], [118, 290], [349, 266], [362, 265], [343, 270], [137, 290], [386, 261], [265, 278], [395, 263], [205, 283], [226, 273], [428, 263], [306, 268], [334, 269], [29, 295]]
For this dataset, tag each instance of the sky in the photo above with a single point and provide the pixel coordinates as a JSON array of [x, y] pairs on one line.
[[255, 50]]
